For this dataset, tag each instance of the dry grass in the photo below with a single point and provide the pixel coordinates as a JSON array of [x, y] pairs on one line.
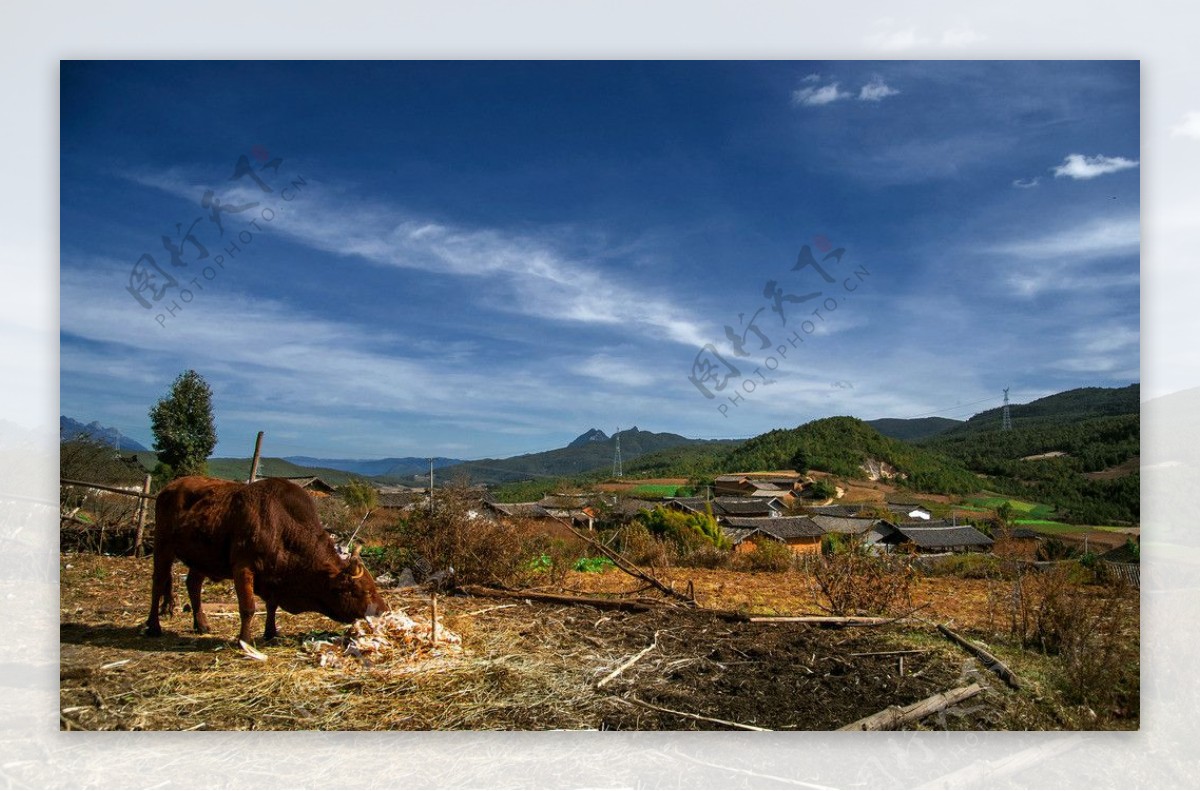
[[525, 666]]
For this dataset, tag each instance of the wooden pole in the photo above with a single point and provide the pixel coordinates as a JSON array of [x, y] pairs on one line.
[[893, 717], [254, 461], [141, 526], [433, 620], [993, 664], [823, 620]]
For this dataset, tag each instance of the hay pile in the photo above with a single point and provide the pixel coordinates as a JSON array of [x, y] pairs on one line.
[[392, 637]]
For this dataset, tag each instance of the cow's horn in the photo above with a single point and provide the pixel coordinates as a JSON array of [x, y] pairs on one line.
[[360, 568], [357, 550]]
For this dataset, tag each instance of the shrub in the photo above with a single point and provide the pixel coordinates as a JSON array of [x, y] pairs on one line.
[[970, 566], [687, 531], [767, 555], [857, 583], [1091, 629], [455, 546], [593, 565], [636, 542], [704, 556]]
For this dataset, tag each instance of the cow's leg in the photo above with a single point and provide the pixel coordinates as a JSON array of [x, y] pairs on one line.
[[243, 583], [195, 583], [160, 591], [271, 633]]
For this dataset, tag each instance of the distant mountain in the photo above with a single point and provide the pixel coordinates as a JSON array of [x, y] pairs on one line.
[[235, 469], [913, 428], [591, 435], [586, 454], [401, 467], [69, 428]]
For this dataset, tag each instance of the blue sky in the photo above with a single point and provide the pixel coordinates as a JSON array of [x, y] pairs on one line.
[[488, 258]]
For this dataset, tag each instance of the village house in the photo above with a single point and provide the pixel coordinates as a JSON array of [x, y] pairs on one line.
[[938, 538], [799, 533], [730, 506]]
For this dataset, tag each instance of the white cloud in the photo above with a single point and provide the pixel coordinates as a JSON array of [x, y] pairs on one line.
[[1026, 183], [819, 96], [812, 78], [876, 90], [1079, 166], [1188, 127]]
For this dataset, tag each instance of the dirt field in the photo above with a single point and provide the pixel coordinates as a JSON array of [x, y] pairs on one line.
[[529, 666]]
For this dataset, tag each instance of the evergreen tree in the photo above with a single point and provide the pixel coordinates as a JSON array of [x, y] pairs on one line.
[[182, 422]]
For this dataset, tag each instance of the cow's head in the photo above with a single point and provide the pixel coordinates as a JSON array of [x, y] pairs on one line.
[[352, 593]]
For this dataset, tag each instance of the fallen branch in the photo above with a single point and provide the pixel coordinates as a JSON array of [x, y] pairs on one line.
[[823, 620], [993, 664], [625, 565], [555, 598], [701, 718], [628, 663], [893, 717]]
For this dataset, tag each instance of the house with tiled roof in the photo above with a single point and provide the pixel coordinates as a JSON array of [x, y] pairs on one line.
[[799, 533], [927, 538]]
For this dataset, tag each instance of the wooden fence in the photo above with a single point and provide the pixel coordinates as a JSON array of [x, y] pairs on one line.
[[144, 498]]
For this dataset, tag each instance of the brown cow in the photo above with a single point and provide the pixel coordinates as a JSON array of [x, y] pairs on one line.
[[267, 537]]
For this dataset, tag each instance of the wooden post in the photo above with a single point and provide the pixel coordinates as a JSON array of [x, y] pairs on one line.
[[434, 629], [254, 462], [141, 527]]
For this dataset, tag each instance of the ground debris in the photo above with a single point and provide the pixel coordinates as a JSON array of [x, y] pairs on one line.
[[392, 637]]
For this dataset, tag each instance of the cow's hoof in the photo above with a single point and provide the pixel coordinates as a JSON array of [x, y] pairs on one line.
[[153, 630], [202, 629]]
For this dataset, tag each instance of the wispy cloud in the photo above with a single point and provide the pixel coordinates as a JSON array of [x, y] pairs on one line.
[[1080, 166], [815, 97], [1188, 127], [1026, 183], [1096, 238], [876, 90], [526, 273]]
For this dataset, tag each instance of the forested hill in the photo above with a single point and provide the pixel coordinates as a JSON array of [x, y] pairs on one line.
[[843, 445], [1078, 404], [913, 428], [1077, 451]]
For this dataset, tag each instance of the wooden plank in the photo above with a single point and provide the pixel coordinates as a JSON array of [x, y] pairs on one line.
[[893, 717]]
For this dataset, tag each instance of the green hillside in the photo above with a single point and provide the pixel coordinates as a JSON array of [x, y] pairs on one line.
[[909, 429], [840, 445], [686, 461], [1092, 477]]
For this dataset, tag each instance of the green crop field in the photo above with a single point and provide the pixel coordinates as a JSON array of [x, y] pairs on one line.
[[1027, 509], [655, 490]]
